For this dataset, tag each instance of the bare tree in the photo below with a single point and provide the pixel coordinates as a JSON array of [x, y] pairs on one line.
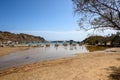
[[101, 14]]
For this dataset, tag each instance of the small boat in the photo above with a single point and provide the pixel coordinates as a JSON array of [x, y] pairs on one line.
[[47, 45], [56, 45]]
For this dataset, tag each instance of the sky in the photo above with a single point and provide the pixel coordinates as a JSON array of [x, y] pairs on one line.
[[51, 19]]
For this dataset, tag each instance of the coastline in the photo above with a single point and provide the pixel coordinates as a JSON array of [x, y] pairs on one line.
[[90, 66]]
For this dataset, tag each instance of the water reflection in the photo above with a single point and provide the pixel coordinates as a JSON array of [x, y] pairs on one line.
[[65, 47], [44, 52], [96, 48], [71, 48], [56, 47]]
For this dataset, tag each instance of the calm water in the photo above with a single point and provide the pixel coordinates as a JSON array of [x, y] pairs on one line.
[[40, 54]]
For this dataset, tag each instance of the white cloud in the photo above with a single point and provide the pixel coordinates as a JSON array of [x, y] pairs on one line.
[[57, 35], [65, 35]]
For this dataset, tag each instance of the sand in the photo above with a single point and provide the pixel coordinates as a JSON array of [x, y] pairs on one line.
[[87, 66], [8, 50]]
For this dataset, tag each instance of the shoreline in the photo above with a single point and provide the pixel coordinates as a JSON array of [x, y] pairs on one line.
[[90, 66], [25, 59], [7, 50]]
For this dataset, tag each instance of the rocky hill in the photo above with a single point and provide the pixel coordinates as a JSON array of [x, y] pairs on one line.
[[8, 36]]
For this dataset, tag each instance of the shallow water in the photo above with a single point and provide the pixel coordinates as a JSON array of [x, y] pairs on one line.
[[40, 54]]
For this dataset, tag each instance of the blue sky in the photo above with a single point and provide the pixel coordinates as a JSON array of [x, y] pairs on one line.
[[51, 19]]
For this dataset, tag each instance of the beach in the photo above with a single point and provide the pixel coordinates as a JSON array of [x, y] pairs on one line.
[[88, 66], [60, 40]]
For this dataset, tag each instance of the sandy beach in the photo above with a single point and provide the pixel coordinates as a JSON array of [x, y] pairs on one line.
[[8, 50], [89, 66]]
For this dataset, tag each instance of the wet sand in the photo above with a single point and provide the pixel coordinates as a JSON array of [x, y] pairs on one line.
[[91, 66], [8, 50]]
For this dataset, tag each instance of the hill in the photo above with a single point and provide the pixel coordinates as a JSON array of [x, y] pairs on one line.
[[8, 36], [111, 40]]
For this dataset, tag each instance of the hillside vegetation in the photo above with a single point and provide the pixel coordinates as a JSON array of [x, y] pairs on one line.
[[8, 36], [113, 40]]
